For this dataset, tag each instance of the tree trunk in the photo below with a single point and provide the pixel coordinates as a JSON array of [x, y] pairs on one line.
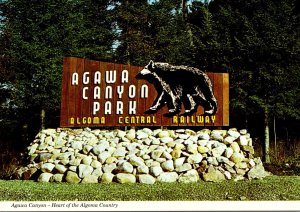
[[275, 137], [185, 19], [267, 138], [43, 119]]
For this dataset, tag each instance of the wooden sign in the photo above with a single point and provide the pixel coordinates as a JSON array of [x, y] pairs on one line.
[[96, 93]]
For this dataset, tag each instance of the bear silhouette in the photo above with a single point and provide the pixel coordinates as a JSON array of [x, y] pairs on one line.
[[179, 84]]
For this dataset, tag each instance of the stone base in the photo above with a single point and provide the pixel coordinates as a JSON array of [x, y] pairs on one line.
[[144, 156]]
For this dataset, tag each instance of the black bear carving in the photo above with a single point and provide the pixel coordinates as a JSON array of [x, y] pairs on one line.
[[179, 84]]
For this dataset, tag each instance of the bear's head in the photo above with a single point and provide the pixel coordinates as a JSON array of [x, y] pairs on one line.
[[151, 70], [147, 73]]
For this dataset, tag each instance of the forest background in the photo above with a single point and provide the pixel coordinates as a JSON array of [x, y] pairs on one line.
[[255, 41]]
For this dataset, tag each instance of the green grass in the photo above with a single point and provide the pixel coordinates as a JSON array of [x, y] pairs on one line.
[[270, 188]]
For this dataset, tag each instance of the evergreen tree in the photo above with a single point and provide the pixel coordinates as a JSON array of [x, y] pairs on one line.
[[41, 33], [262, 52]]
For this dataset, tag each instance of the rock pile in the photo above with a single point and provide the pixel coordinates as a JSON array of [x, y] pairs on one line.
[[144, 156]]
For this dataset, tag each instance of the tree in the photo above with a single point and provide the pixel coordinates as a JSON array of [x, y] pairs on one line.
[[262, 52], [41, 33]]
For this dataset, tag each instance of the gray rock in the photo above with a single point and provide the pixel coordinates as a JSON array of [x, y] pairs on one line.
[[192, 148], [212, 161], [141, 135], [97, 149], [202, 142], [146, 179], [217, 135], [203, 135], [227, 175], [125, 178], [167, 155], [257, 172], [168, 177], [130, 134], [96, 164], [196, 158], [179, 162], [184, 167], [251, 163], [190, 176], [156, 170], [87, 148], [84, 170], [136, 161], [87, 160], [121, 134], [237, 157], [107, 178], [77, 145], [241, 165], [243, 132], [235, 147], [103, 156], [202, 149], [65, 161], [213, 176], [156, 153], [72, 177], [120, 152], [44, 177], [60, 168], [73, 168], [108, 168], [75, 162], [48, 140], [166, 140], [233, 132], [176, 153], [97, 172], [229, 140], [222, 159], [228, 152], [143, 169], [57, 178], [218, 151], [90, 179], [45, 156], [47, 167], [125, 167], [243, 140], [163, 134], [249, 149], [168, 165], [64, 156]]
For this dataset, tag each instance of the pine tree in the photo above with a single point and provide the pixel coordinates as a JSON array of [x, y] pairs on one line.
[[41, 34], [262, 52]]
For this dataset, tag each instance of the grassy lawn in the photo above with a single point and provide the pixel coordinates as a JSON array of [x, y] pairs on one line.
[[270, 188]]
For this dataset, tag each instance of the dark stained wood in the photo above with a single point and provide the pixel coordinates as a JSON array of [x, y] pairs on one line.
[[218, 89], [225, 100], [79, 101], [72, 92], [65, 92], [212, 78], [110, 121], [74, 106], [118, 68]]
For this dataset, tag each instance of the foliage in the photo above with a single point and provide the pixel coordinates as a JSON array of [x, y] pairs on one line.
[[262, 51], [256, 42], [39, 34]]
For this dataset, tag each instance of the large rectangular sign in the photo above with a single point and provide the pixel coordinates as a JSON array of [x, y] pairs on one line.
[[96, 93]]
